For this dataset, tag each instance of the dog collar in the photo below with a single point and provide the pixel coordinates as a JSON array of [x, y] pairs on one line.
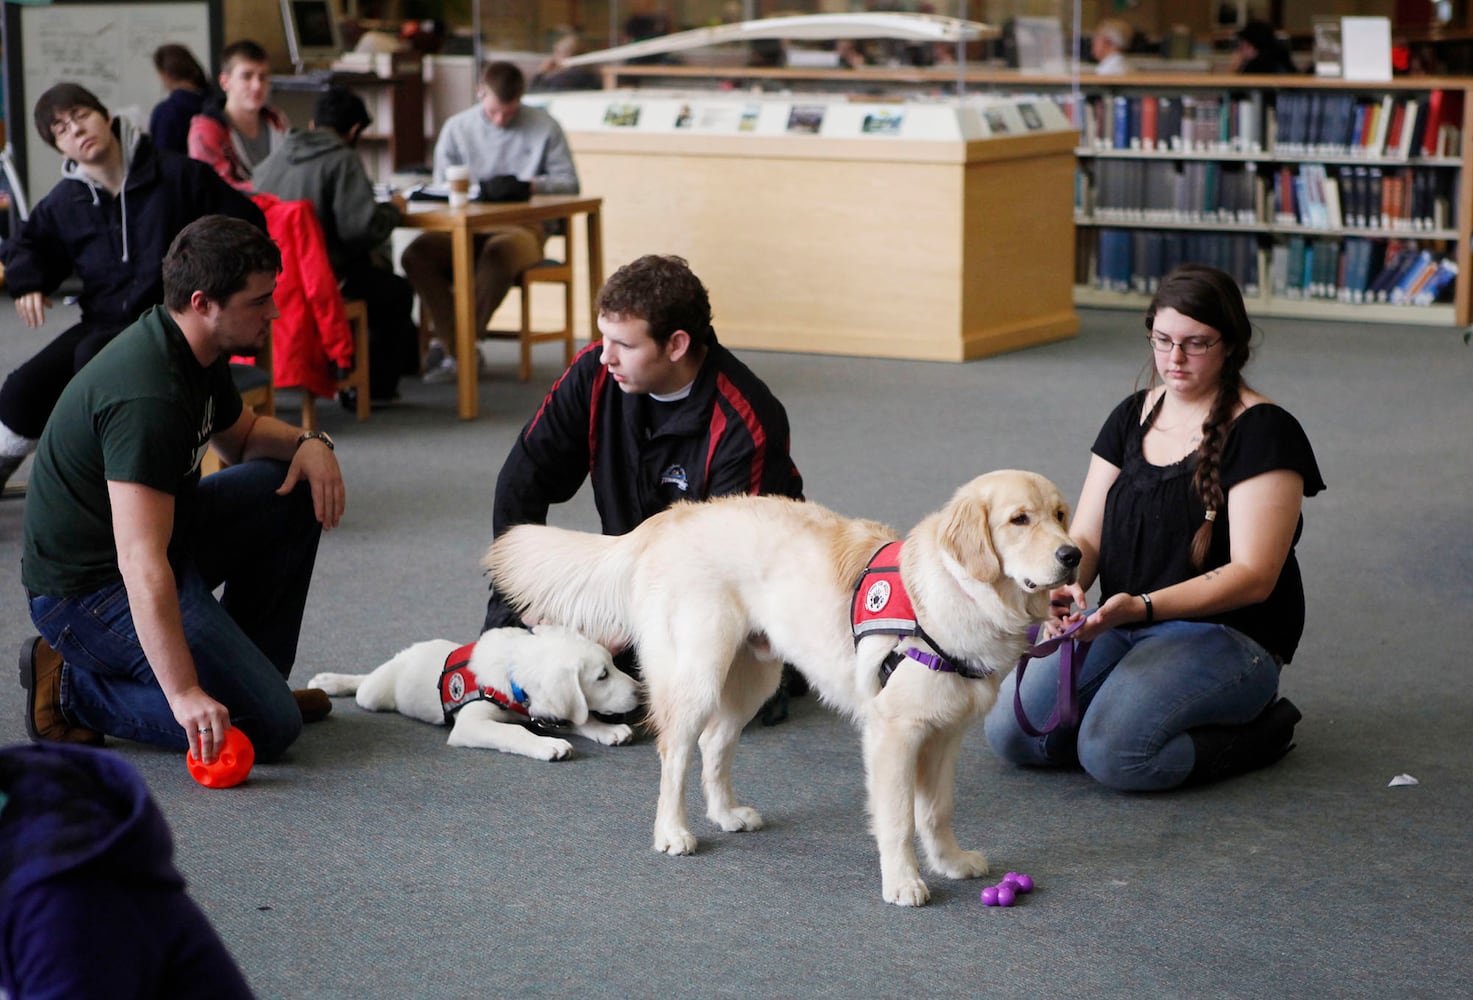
[[881, 606], [459, 687]]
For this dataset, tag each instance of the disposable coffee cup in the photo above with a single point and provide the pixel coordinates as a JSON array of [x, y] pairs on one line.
[[458, 178]]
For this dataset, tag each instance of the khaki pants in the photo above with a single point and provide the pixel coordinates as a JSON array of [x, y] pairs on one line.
[[501, 257]]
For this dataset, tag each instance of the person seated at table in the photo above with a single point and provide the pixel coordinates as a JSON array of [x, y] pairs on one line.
[[234, 134], [322, 166], [119, 204], [184, 78], [498, 137]]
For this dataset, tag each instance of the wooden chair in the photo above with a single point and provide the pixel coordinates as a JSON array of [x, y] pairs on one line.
[[548, 271], [357, 379], [552, 272]]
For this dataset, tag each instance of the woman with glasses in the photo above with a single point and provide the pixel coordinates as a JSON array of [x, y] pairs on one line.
[[1188, 518]]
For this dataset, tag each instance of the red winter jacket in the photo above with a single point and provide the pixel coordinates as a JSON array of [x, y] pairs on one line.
[[313, 333]]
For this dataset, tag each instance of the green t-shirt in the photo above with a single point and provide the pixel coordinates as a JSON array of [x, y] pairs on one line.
[[141, 411]]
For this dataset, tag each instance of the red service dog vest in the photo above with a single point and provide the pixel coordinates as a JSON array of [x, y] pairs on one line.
[[880, 601], [458, 687], [881, 605]]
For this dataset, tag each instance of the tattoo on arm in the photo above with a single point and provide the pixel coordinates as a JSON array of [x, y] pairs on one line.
[[1211, 574]]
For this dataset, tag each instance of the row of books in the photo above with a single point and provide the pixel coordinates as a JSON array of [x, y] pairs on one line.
[[1405, 199], [1178, 124], [1361, 271], [1402, 199], [1353, 270], [1297, 123], [1134, 260], [1168, 191], [1324, 122]]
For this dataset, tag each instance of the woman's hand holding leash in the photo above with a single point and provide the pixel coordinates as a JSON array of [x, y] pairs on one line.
[[1061, 599], [1120, 609]]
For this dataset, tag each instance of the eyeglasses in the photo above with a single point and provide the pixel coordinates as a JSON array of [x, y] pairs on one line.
[[67, 123], [1193, 346]]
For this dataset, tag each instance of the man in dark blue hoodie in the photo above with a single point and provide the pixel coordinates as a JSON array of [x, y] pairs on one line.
[[119, 205], [91, 904]]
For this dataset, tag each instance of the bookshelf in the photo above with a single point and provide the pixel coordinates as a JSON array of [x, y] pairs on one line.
[[1323, 198], [1277, 139]]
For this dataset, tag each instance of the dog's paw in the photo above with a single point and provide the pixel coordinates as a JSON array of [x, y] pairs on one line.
[[336, 685], [552, 748], [962, 864], [737, 818], [608, 733], [905, 891], [674, 842]]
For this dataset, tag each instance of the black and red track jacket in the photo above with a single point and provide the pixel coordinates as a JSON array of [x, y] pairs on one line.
[[729, 436]]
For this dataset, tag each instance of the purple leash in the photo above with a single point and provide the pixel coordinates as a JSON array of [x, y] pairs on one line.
[[1066, 707]]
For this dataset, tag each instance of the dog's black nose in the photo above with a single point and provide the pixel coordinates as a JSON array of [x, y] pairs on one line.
[[1068, 555]]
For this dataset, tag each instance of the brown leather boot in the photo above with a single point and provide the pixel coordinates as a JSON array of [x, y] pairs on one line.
[[40, 675], [313, 703]]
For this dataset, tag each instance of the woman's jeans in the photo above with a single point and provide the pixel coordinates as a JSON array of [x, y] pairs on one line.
[[1140, 691], [262, 548]]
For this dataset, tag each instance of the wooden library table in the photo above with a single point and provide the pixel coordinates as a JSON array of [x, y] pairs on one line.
[[463, 223]]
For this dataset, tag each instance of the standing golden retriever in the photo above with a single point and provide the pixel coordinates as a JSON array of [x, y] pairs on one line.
[[716, 596]]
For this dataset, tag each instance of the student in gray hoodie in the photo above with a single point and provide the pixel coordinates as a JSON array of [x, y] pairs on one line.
[[119, 205], [322, 166], [497, 138]]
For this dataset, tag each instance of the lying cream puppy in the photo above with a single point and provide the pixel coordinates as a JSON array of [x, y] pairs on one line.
[[552, 676]]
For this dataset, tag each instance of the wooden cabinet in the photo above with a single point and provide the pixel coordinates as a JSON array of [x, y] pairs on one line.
[[905, 230]]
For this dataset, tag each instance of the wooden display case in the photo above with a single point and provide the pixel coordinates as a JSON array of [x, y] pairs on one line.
[[927, 230]]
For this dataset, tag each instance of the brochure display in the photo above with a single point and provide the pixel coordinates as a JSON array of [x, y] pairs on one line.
[[927, 229]]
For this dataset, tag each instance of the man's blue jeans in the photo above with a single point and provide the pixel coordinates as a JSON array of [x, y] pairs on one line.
[[262, 548], [1140, 691]]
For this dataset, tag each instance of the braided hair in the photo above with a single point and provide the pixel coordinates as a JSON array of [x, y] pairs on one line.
[[1211, 297]]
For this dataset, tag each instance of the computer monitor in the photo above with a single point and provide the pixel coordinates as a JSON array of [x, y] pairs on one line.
[[312, 34]]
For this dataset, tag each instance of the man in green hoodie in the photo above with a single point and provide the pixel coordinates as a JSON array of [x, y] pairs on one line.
[[322, 166]]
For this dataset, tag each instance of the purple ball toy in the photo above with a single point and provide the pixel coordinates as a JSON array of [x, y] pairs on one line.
[[1023, 884], [1006, 892]]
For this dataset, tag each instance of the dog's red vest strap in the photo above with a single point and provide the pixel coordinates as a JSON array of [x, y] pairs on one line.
[[458, 686], [880, 601]]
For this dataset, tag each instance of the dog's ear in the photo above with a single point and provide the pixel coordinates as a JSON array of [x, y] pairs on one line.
[[562, 693], [966, 536]]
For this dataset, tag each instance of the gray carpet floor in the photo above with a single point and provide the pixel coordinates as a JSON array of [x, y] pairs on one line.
[[375, 861]]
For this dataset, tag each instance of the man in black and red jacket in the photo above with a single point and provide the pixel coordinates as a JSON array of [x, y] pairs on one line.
[[657, 412]]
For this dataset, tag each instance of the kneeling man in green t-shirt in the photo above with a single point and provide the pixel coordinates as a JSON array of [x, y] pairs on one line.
[[125, 544]]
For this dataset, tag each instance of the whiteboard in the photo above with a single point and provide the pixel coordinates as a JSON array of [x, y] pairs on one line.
[[107, 48]]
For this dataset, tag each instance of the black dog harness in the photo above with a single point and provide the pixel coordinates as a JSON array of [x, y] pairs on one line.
[[881, 606], [459, 687]]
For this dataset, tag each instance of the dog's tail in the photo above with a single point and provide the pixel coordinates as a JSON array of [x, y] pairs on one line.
[[571, 578]]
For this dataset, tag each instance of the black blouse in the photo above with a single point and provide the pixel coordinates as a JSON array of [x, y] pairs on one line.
[[1152, 512]]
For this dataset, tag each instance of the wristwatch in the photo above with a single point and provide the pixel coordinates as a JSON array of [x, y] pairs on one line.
[[306, 436]]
